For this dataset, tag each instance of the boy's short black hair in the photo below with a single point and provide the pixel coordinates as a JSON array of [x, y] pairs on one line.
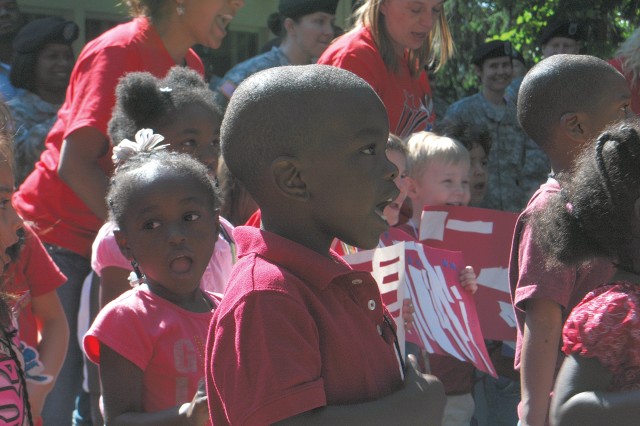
[[278, 110], [466, 133], [144, 101], [557, 85]]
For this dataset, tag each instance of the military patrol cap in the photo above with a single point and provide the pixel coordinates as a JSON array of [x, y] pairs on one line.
[[492, 49], [296, 8], [563, 28], [39, 32]]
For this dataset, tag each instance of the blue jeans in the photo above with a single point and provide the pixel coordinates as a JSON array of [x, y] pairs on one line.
[[496, 400], [60, 402]]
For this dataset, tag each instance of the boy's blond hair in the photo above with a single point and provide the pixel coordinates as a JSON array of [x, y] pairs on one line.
[[425, 147]]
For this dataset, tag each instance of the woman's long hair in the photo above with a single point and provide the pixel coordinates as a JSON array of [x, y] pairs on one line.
[[435, 52]]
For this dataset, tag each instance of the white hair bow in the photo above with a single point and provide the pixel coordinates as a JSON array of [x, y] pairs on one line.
[[146, 141]]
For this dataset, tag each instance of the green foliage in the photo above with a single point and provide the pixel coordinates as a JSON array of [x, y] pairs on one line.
[[473, 22]]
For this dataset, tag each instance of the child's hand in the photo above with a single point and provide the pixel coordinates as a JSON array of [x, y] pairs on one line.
[[197, 412], [468, 279], [407, 314]]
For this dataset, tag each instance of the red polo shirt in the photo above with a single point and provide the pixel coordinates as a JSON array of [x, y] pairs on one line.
[[295, 331]]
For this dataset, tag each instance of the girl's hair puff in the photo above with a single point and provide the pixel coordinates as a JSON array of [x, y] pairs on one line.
[[124, 181], [594, 214], [435, 51], [144, 101]]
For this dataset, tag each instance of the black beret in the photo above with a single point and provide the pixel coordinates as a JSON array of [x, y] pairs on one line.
[[492, 49], [563, 28], [39, 32], [515, 54], [297, 8]]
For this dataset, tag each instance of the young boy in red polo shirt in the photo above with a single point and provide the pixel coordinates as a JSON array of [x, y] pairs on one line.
[[299, 335]]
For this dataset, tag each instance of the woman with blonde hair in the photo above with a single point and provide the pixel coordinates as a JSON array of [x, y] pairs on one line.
[[627, 61], [391, 44]]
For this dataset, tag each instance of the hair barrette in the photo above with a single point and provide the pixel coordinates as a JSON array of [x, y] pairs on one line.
[[145, 141]]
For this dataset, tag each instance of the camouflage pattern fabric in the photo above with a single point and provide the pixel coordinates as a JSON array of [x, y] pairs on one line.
[[33, 118], [517, 166]]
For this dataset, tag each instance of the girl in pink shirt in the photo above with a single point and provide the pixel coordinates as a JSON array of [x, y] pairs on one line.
[[149, 342]]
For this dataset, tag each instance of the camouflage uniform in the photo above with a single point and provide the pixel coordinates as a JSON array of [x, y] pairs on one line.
[[33, 119], [517, 166], [236, 75]]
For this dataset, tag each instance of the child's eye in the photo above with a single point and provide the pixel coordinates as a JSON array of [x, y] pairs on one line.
[[369, 150], [191, 217], [190, 144], [151, 224]]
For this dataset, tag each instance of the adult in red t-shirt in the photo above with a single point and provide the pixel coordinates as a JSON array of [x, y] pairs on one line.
[[389, 47], [64, 196]]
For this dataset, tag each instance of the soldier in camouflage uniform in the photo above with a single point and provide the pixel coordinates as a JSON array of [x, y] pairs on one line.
[[517, 167], [306, 28]]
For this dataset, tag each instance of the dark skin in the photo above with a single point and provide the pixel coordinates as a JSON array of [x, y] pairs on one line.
[[298, 200], [582, 395]]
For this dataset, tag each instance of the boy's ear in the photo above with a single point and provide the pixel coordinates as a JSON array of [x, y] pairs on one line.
[[121, 240], [572, 124], [285, 171], [289, 26]]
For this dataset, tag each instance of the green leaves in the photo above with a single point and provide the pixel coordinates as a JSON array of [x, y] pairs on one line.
[[473, 22]]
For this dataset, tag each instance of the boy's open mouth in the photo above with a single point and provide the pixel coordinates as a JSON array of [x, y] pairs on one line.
[[381, 206]]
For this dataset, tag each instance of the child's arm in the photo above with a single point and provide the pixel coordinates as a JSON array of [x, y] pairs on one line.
[[113, 282], [540, 346], [580, 396], [420, 401], [52, 347], [122, 395]]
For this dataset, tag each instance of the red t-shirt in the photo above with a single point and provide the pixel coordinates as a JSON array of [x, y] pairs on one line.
[[408, 100], [530, 279], [59, 216], [295, 331], [33, 274], [165, 341]]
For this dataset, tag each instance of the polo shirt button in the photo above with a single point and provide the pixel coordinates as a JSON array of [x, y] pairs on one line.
[[372, 304], [356, 281], [379, 329]]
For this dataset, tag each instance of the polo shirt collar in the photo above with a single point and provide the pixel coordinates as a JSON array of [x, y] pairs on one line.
[[309, 265]]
